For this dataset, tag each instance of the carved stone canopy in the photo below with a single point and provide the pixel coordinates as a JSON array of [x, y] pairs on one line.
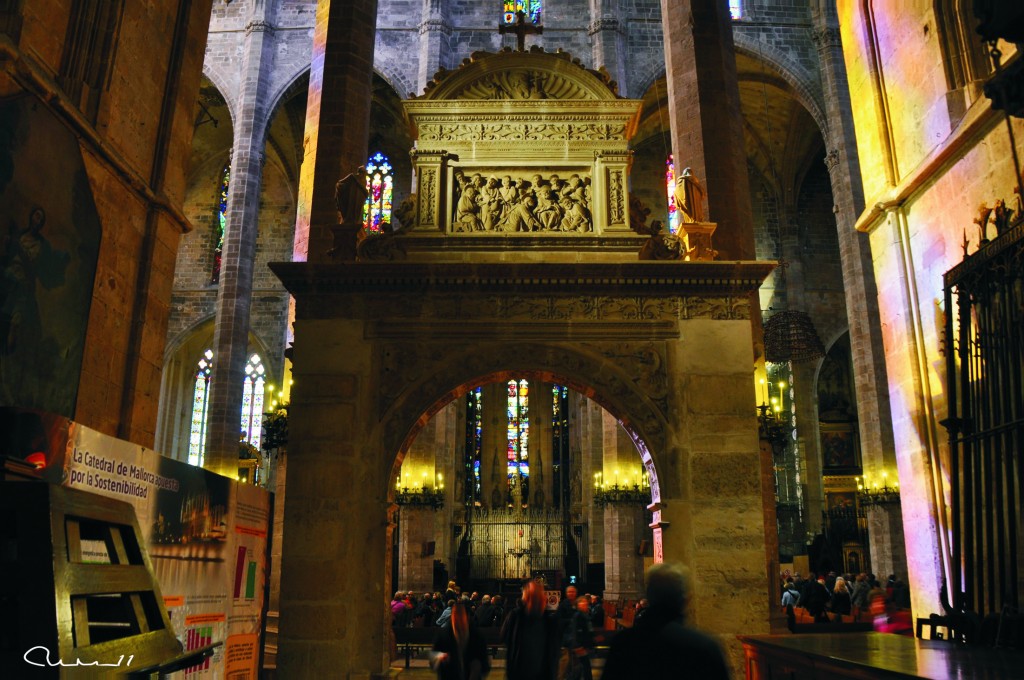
[[520, 76], [527, 147]]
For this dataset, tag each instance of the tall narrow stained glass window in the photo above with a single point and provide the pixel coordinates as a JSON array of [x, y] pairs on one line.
[[560, 443], [530, 7], [200, 409], [379, 184], [474, 443], [736, 8], [252, 400], [670, 187], [222, 220], [518, 429]]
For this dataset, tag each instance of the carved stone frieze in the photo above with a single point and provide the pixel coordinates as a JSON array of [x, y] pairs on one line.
[[604, 24], [616, 197], [542, 308], [521, 202], [645, 363], [463, 131]]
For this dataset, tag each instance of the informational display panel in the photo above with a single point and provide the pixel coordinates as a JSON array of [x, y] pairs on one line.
[[206, 534]]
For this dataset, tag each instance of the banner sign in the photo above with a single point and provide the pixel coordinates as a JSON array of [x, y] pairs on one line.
[[206, 534]]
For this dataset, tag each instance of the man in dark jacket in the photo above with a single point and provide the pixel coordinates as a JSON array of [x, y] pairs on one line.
[[660, 645]]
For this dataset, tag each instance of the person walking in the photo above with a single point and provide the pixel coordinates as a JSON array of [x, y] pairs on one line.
[[532, 637], [460, 652], [660, 645]]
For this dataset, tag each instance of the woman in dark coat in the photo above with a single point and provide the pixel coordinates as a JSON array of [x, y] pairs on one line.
[[460, 652], [532, 637], [841, 599]]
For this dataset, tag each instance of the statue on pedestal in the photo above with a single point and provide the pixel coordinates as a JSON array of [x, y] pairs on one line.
[[689, 198], [350, 194]]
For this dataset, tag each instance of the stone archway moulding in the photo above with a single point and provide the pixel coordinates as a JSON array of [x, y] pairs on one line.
[[634, 390]]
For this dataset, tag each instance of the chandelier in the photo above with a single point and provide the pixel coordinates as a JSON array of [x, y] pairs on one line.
[[877, 491], [789, 335]]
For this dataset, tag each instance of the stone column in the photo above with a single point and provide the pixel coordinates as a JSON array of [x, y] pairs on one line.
[[415, 530], [494, 450], [874, 415], [623, 563], [608, 40], [337, 117], [234, 290], [541, 415], [704, 111], [435, 34]]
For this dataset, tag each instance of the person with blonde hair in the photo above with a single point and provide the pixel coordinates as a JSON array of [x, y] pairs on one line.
[[460, 652], [532, 637]]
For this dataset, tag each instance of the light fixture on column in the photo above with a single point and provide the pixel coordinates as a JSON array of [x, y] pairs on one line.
[[621, 490], [877, 491], [423, 495]]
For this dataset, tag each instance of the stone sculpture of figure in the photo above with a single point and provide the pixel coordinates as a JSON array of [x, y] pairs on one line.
[[982, 221], [1001, 217], [490, 205], [466, 218], [520, 217], [576, 218], [350, 195], [548, 212], [690, 198]]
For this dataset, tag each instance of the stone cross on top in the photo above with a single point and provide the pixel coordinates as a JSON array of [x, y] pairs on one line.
[[521, 28]]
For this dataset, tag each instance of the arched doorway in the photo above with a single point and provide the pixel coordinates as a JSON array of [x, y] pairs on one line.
[[517, 479]]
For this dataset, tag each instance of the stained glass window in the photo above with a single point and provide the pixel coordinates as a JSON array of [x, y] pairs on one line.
[[518, 429], [377, 210], [735, 8], [474, 443], [200, 409], [670, 187], [222, 219], [252, 400], [253, 391], [530, 7]]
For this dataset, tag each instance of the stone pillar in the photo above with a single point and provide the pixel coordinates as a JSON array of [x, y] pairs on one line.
[[234, 290], [494, 449], [337, 117], [874, 415], [887, 557], [623, 563], [416, 566], [435, 34], [608, 40], [337, 524], [704, 111], [541, 415]]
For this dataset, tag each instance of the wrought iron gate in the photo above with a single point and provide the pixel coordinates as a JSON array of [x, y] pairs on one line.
[[985, 385]]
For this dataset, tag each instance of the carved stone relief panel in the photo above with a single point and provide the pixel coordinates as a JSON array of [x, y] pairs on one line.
[[521, 201]]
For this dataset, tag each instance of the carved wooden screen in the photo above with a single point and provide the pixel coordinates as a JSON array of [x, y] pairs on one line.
[[985, 385]]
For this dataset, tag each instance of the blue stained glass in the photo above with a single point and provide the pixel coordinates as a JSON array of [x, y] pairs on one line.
[[530, 7]]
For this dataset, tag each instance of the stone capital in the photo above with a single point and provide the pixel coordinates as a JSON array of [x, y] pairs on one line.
[[435, 24], [824, 38], [604, 24], [259, 25]]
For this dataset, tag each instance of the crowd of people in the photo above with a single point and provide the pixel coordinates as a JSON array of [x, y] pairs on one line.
[[545, 641], [830, 597]]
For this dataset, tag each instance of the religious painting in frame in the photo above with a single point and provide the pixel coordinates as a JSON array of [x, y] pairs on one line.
[[840, 448], [841, 500]]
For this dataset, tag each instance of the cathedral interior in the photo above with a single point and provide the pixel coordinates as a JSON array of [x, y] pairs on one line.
[[514, 289]]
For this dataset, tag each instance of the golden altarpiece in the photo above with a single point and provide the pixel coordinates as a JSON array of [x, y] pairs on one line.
[[516, 257]]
